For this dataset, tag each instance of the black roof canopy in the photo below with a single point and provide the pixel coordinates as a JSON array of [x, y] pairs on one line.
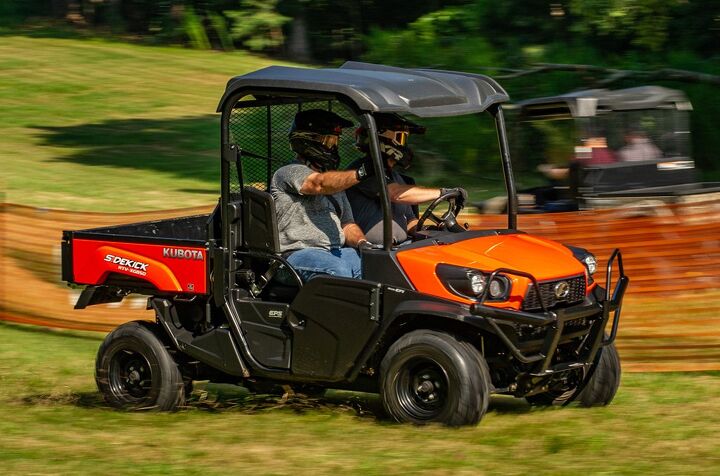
[[593, 101], [377, 88]]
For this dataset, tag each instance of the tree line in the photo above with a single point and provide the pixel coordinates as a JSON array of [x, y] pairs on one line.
[[487, 36], [323, 30]]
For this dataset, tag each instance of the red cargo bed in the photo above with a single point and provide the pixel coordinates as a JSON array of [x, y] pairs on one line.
[[167, 256]]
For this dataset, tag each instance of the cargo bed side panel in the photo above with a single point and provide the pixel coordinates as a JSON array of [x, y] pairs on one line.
[[181, 269]]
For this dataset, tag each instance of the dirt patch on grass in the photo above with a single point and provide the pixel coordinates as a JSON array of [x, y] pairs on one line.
[[83, 399], [360, 405]]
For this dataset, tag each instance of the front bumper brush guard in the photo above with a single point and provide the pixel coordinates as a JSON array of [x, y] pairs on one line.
[[614, 305], [557, 319]]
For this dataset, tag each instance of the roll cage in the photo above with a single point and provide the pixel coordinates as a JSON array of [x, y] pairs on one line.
[[257, 110]]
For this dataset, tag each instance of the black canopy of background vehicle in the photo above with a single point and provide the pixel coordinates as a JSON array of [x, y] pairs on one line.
[[433, 354], [593, 102], [551, 129]]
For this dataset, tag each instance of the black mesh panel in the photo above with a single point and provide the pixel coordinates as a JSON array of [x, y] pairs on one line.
[[261, 133]]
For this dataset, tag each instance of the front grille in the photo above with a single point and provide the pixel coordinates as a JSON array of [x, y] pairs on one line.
[[575, 294]]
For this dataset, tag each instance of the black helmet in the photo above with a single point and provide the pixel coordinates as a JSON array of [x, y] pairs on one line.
[[393, 131], [314, 137]]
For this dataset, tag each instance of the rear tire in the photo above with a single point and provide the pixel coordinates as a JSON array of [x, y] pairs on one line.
[[134, 370], [429, 376], [603, 384]]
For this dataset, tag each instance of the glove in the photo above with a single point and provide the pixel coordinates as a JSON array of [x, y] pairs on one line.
[[364, 244], [365, 171], [461, 199]]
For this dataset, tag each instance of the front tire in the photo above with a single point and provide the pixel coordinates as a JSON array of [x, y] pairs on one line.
[[603, 384], [134, 370], [429, 376]]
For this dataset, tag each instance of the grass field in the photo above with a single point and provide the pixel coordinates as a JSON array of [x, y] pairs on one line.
[[89, 124], [53, 421], [97, 125]]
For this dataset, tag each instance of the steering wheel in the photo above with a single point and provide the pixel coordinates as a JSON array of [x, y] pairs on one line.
[[448, 219]]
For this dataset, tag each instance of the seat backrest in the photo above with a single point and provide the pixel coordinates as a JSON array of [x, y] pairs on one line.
[[260, 229]]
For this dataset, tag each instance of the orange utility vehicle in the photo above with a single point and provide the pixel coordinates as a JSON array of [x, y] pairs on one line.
[[435, 326]]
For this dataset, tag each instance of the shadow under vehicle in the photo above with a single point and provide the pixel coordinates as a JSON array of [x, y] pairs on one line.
[[435, 326], [646, 130]]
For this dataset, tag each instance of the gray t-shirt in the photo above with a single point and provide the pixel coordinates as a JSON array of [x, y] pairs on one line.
[[307, 221], [365, 202]]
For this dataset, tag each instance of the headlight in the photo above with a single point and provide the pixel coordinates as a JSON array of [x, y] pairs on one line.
[[471, 283], [591, 264], [499, 288], [585, 257], [477, 283]]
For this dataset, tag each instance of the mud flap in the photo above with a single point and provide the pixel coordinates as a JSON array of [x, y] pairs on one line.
[[92, 295]]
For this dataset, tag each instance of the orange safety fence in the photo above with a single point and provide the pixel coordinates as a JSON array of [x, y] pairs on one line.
[[670, 319]]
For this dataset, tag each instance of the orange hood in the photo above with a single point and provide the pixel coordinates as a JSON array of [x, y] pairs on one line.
[[544, 259]]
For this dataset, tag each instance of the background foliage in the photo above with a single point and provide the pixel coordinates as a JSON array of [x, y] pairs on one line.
[[472, 35]]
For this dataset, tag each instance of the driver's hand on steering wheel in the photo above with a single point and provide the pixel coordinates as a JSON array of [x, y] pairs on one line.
[[461, 198]]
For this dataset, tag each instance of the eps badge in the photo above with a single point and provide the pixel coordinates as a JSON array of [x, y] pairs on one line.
[[277, 314]]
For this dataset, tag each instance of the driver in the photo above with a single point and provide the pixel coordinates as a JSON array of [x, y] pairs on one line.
[[393, 133], [315, 222]]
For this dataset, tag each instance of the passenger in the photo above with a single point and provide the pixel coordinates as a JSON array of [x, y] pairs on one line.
[[393, 132], [638, 147], [561, 192], [315, 221], [599, 154], [594, 151]]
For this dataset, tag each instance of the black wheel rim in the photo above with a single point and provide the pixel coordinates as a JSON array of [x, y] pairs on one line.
[[130, 375], [422, 389]]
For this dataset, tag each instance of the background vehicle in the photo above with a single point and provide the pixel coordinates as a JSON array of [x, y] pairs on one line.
[[554, 130], [435, 326]]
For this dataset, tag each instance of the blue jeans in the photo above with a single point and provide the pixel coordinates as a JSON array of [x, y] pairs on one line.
[[342, 262]]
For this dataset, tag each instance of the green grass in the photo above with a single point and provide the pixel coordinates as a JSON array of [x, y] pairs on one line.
[[53, 421], [90, 124]]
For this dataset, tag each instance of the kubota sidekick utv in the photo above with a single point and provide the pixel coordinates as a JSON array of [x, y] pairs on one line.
[[435, 326]]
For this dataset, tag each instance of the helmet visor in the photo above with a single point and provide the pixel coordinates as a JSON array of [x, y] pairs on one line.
[[330, 141], [399, 137]]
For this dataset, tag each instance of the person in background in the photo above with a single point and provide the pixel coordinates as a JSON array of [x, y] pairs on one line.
[[594, 151], [599, 153], [638, 147], [559, 194], [405, 195]]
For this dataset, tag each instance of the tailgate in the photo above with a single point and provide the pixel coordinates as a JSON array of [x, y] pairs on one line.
[[134, 264]]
